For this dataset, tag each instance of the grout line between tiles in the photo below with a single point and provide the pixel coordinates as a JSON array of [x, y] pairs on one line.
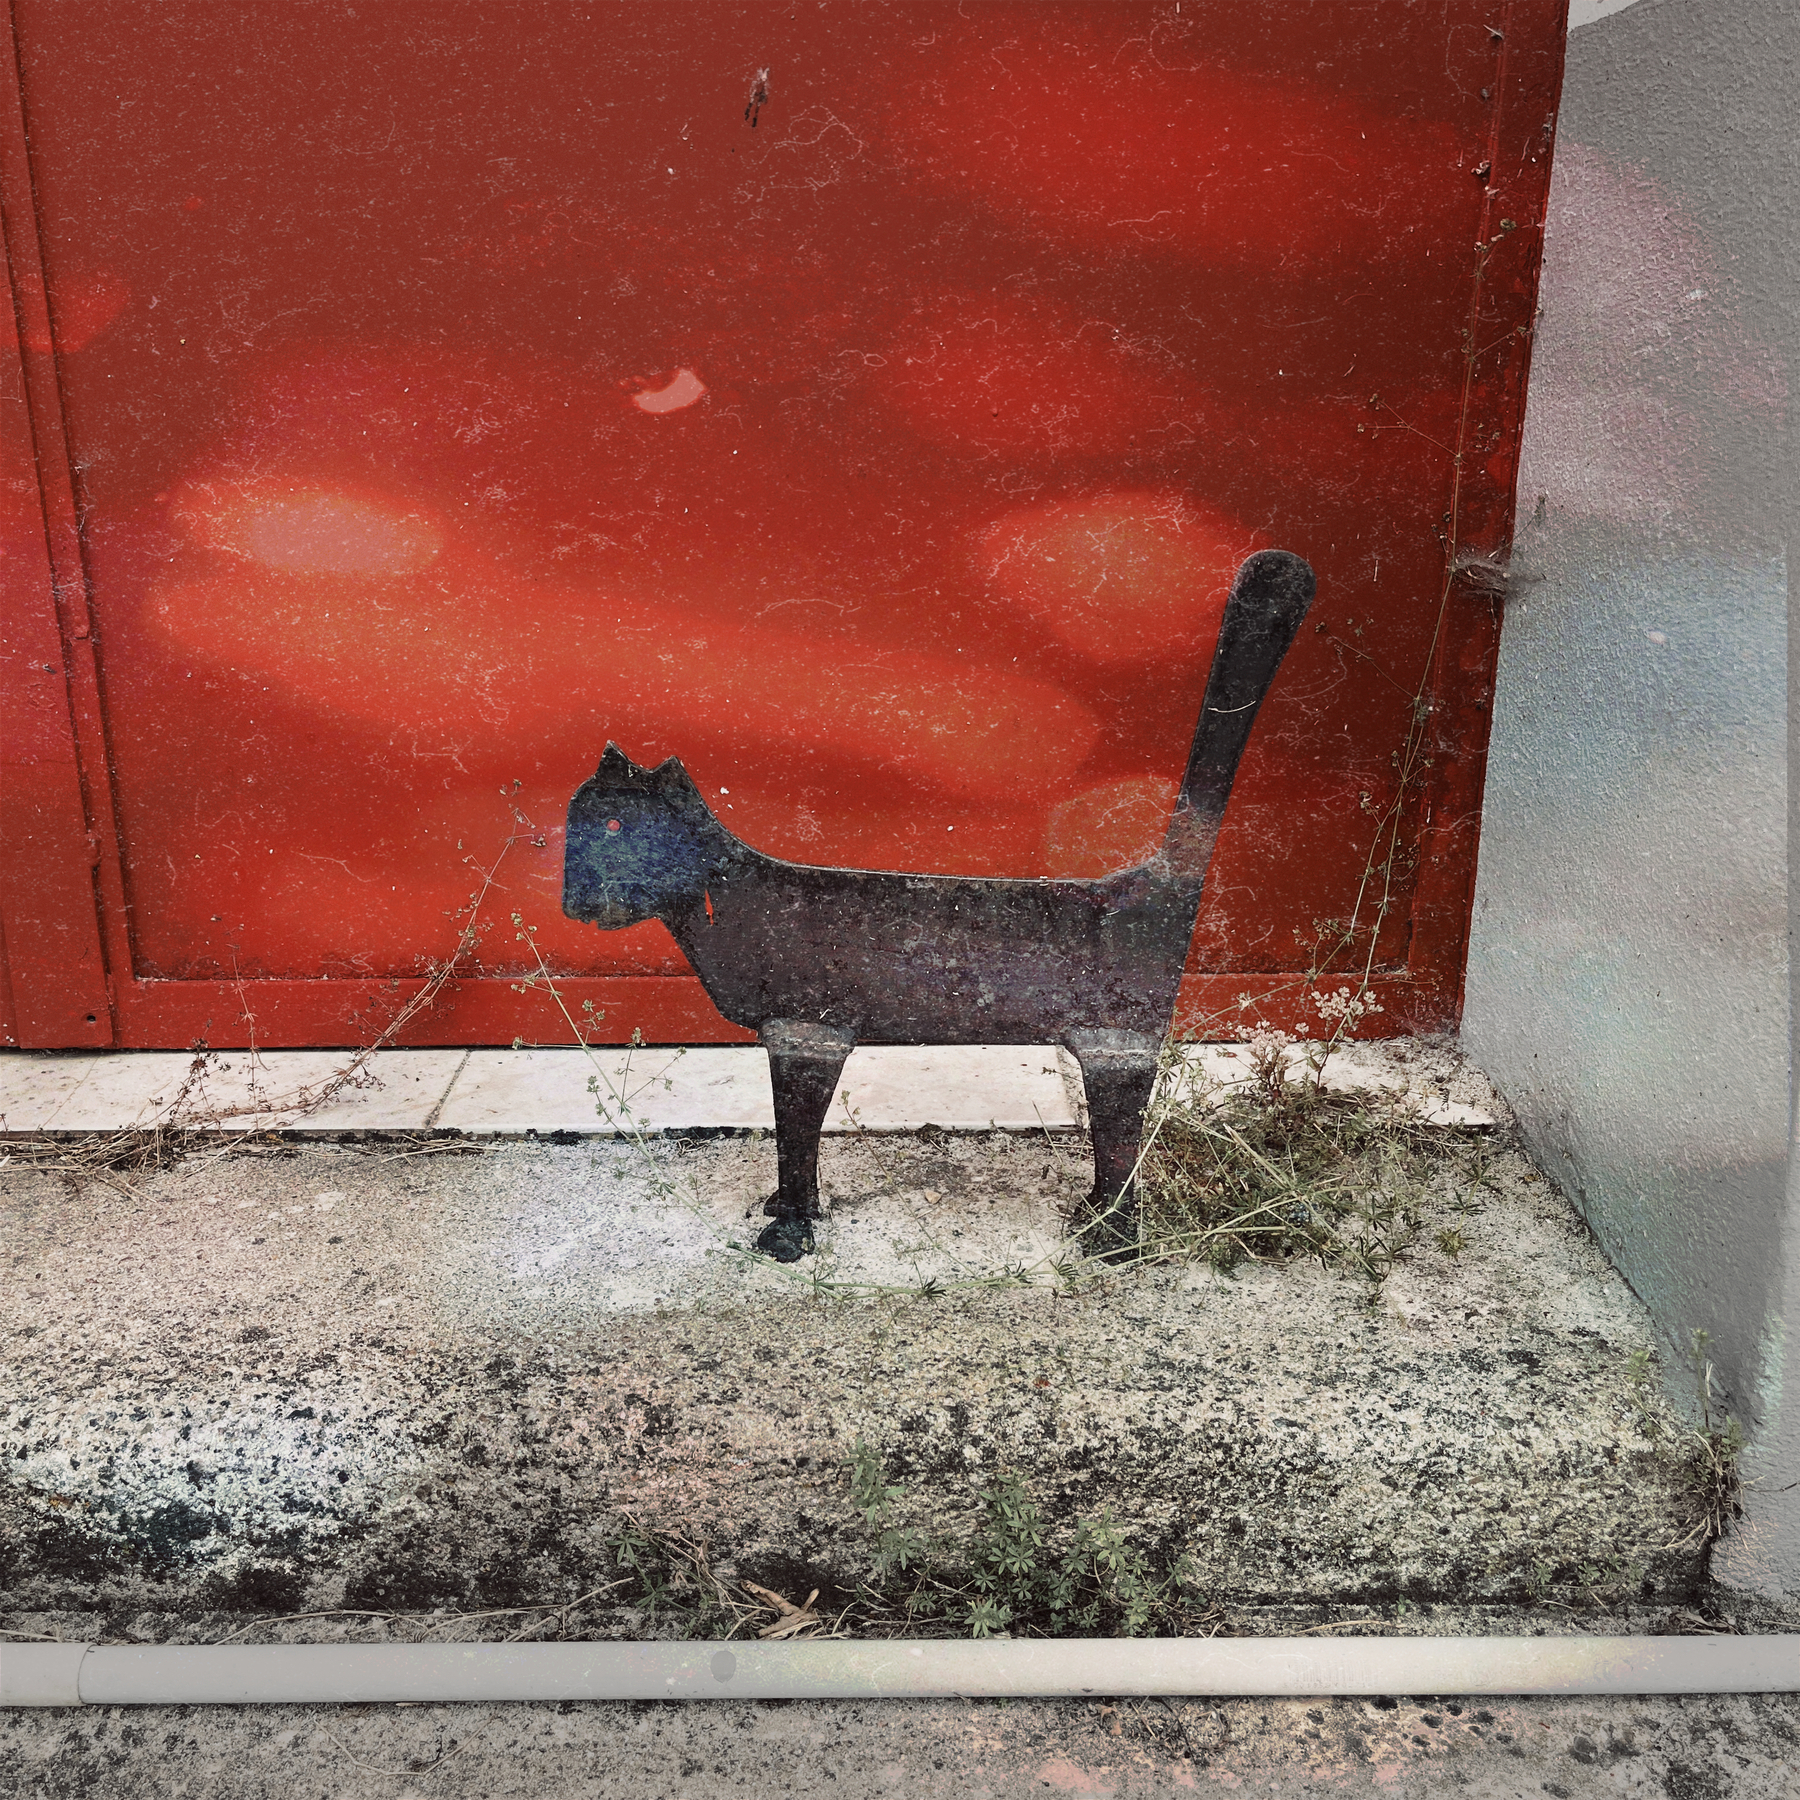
[[443, 1099]]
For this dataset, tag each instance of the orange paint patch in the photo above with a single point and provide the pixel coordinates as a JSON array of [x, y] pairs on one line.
[[993, 375], [309, 530], [473, 649], [1070, 137], [1123, 576], [1112, 825], [81, 306]]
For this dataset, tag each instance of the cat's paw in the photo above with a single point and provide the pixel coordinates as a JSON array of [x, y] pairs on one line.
[[787, 1240], [772, 1207], [1110, 1233]]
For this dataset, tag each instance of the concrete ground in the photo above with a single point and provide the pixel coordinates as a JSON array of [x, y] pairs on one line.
[[1729, 1747], [420, 1383]]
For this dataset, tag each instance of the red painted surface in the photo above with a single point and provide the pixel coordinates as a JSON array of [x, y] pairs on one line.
[[439, 395], [56, 991]]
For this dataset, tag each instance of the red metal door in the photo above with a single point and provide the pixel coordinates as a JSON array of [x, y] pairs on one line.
[[867, 403]]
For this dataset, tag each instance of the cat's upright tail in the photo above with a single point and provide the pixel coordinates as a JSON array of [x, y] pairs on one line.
[[1269, 598]]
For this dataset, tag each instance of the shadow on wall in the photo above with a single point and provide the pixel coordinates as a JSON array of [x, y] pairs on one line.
[[1627, 980]]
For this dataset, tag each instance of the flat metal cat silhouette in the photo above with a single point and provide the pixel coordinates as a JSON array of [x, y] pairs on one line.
[[818, 960]]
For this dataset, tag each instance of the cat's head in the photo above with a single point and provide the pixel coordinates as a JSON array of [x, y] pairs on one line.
[[642, 844]]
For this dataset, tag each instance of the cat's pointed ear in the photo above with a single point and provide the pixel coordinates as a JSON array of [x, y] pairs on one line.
[[671, 778], [615, 767]]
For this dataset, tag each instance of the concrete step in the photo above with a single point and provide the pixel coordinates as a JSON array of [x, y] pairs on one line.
[[409, 1373]]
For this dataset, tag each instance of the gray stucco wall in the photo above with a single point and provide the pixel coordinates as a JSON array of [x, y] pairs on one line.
[[1629, 980]]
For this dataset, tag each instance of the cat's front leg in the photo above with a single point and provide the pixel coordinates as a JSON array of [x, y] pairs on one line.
[[1118, 1069], [805, 1060]]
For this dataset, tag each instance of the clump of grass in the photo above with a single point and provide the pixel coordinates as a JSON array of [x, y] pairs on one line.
[[668, 1578], [1102, 1585], [1281, 1167], [1007, 1580], [111, 1156], [1707, 1454], [115, 1156]]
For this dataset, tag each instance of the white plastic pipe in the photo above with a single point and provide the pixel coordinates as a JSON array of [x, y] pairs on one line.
[[235, 1675]]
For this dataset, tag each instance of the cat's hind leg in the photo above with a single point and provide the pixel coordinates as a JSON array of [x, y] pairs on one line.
[[805, 1060], [1118, 1069]]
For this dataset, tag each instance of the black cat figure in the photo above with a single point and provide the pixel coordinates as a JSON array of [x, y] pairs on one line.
[[819, 960]]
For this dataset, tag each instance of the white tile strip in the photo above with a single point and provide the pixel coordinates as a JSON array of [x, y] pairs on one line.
[[397, 1090], [116, 1091], [120, 1091], [1440, 1086], [650, 1089], [964, 1088], [509, 1092], [961, 1087], [33, 1086]]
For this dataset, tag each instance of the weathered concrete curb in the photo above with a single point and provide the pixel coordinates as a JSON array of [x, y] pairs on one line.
[[332, 1377]]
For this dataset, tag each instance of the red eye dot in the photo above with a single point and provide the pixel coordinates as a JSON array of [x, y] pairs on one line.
[[612, 825]]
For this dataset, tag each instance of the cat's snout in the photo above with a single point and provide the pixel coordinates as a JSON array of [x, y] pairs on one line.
[[596, 902], [600, 909]]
